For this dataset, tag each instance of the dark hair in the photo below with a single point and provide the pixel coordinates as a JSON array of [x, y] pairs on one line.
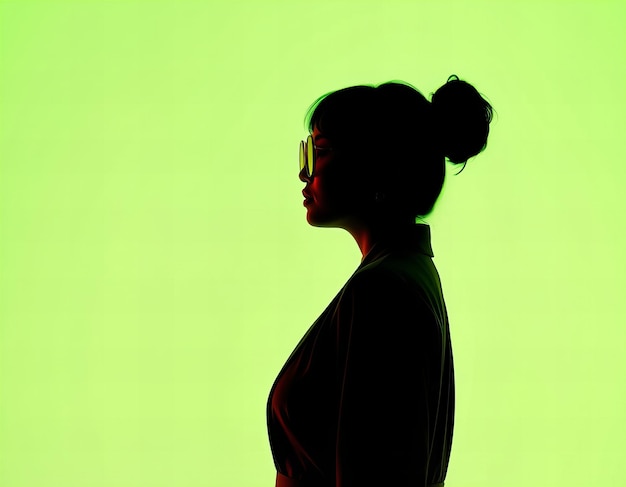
[[401, 139]]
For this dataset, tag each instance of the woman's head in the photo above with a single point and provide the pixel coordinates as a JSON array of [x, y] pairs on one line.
[[389, 140]]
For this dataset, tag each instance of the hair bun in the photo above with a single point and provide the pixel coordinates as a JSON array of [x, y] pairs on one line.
[[462, 120]]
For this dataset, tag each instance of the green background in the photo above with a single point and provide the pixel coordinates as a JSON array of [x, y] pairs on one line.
[[156, 267]]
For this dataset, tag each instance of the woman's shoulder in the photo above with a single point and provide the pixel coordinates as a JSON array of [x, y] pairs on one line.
[[384, 269]]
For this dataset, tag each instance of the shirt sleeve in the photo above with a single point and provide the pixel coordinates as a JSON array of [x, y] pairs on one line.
[[388, 347]]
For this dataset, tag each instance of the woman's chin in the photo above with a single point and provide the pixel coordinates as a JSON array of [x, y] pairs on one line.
[[317, 219], [312, 216]]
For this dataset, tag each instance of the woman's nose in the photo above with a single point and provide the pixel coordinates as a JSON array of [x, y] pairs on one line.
[[304, 177]]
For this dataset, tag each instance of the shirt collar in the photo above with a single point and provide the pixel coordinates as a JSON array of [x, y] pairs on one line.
[[416, 238]]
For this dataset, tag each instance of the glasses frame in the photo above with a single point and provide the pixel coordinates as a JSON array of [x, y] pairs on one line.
[[308, 155]]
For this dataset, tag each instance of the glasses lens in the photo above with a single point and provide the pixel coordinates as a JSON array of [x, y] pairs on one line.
[[310, 154], [302, 155]]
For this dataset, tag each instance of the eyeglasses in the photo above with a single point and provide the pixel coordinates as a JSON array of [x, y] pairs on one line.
[[308, 153]]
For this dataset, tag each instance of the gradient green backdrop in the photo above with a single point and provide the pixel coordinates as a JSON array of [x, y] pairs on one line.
[[156, 268]]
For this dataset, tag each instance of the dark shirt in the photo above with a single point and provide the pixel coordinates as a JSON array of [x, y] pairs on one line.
[[367, 396]]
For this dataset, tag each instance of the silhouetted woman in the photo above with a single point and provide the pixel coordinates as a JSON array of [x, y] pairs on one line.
[[367, 396]]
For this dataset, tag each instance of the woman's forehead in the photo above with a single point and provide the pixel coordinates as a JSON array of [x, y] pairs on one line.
[[317, 135]]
